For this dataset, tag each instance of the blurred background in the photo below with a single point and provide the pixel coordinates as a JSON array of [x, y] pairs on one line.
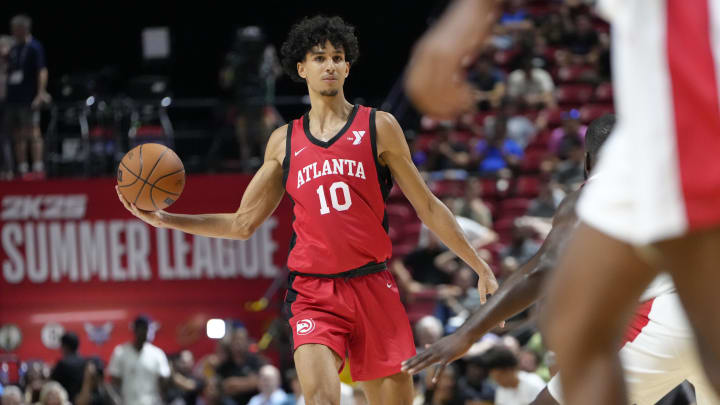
[[80, 277]]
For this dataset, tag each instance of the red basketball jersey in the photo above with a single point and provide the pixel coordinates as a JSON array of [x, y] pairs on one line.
[[338, 189]]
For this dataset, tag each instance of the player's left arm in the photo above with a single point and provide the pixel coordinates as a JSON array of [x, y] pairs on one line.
[[394, 152]]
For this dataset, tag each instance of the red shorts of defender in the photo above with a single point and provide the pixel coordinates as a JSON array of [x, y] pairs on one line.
[[361, 317]]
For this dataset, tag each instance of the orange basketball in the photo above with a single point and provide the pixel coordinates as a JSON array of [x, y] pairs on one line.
[[151, 176]]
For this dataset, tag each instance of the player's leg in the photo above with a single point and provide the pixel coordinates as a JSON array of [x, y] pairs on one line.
[[36, 142], [693, 262], [590, 300], [381, 341], [396, 389], [317, 368]]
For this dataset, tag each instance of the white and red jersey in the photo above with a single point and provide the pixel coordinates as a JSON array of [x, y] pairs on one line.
[[662, 156], [338, 189]]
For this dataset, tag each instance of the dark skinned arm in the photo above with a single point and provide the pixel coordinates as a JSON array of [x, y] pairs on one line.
[[517, 293]]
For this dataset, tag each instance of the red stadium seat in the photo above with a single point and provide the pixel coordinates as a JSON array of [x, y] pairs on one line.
[[593, 111], [554, 116], [504, 229], [574, 73], [424, 142], [489, 188], [573, 94], [527, 186], [534, 156], [604, 93], [514, 207], [504, 57], [448, 188]]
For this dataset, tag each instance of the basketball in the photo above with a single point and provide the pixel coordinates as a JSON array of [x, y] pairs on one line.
[[151, 176]]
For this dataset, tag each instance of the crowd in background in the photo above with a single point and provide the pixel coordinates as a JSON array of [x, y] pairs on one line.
[[502, 169]]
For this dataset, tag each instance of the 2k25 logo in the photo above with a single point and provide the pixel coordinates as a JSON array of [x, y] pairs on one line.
[[305, 326], [358, 137], [24, 207]]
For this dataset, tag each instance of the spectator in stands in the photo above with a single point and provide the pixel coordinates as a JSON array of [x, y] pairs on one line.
[[489, 82], [12, 395], [521, 248], [139, 369], [185, 386], [269, 386], [564, 138], [474, 384], [532, 85], [295, 397], [95, 390], [70, 369], [544, 205], [448, 152], [519, 127], [417, 271], [472, 206], [209, 364], [570, 173], [446, 391], [211, 394], [53, 393], [498, 152], [6, 158], [583, 40], [515, 387], [36, 376], [453, 310], [251, 68], [428, 330], [239, 372], [516, 16], [26, 93]]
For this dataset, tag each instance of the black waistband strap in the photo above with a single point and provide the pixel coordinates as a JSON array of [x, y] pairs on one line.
[[369, 268]]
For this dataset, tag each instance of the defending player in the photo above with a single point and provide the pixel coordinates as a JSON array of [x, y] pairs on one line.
[[659, 207], [335, 163], [658, 350]]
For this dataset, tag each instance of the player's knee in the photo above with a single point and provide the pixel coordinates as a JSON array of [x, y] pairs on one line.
[[321, 394]]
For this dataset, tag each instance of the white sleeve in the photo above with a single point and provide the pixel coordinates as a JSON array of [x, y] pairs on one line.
[[163, 365], [545, 80], [473, 230], [114, 367]]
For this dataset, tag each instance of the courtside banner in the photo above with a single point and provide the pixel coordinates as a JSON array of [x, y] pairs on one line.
[[72, 258]]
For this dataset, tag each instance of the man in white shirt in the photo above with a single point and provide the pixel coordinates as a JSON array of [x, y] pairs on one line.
[[515, 387], [269, 385], [139, 368], [532, 85]]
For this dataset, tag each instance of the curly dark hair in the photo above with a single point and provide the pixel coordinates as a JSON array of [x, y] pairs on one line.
[[311, 31]]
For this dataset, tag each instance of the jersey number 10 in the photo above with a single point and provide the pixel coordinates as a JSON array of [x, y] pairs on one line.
[[324, 209]]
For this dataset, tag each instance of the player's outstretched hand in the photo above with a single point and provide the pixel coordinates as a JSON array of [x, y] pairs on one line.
[[444, 351], [487, 284], [154, 218]]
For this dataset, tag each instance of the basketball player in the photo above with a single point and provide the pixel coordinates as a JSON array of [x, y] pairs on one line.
[[336, 163], [659, 205], [658, 351]]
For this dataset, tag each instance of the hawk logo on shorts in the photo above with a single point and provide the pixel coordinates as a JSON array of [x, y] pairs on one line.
[[305, 326]]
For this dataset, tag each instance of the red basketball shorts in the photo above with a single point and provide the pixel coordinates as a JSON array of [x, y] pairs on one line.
[[358, 317]]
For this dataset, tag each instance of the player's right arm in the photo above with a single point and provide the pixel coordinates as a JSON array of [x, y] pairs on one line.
[[260, 199], [517, 293]]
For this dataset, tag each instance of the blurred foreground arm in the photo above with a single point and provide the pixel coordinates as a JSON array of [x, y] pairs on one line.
[[435, 79]]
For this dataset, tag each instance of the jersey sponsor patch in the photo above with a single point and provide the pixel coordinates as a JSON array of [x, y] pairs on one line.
[[358, 137], [304, 326]]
